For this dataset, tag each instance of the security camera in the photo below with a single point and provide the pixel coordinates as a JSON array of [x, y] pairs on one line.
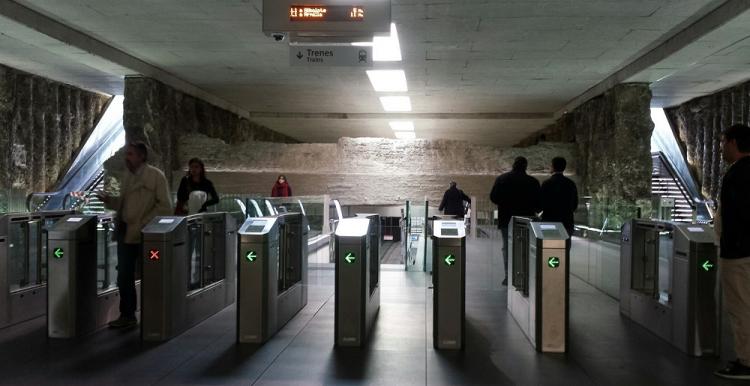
[[278, 36]]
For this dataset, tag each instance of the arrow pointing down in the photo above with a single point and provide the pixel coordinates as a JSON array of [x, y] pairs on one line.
[[299, 55]]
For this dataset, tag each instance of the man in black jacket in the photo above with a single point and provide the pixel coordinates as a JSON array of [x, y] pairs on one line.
[[453, 201], [734, 203], [559, 197], [516, 194]]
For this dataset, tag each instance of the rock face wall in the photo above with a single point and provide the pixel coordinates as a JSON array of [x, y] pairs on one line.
[[698, 124], [159, 115], [363, 171], [612, 133], [43, 124]]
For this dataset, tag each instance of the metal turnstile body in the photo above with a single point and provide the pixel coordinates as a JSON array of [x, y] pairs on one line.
[[539, 271], [669, 283], [71, 286], [23, 260], [449, 283], [272, 274], [357, 293], [177, 292]]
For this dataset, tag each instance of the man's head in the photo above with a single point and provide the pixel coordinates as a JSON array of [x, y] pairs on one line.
[[520, 164], [136, 154], [735, 142], [559, 164], [453, 184]]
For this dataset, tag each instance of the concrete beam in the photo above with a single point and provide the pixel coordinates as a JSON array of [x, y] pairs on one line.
[[68, 35], [673, 41], [489, 116]]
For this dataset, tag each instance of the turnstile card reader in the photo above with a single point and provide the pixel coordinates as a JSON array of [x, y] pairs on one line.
[[71, 285], [538, 299], [357, 293], [449, 283]]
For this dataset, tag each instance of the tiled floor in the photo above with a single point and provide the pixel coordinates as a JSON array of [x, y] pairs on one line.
[[605, 349]]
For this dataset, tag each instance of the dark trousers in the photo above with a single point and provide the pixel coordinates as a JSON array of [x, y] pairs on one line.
[[127, 255], [504, 231]]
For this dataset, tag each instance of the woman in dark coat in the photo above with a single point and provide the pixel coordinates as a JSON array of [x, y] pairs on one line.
[[195, 180], [281, 188]]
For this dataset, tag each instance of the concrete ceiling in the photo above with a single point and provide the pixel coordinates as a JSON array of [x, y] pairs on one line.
[[463, 58]]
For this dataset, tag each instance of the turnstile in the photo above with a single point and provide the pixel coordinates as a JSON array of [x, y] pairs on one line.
[[539, 271], [449, 284], [188, 272], [669, 283], [271, 274], [23, 264], [357, 293]]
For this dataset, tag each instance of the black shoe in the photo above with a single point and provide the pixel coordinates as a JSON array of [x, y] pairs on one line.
[[734, 370], [123, 322], [505, 282]]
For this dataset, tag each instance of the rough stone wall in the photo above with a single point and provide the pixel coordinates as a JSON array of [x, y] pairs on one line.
[[698, 124], [363, 171], [159, 115], [612, 133], [43, 124]]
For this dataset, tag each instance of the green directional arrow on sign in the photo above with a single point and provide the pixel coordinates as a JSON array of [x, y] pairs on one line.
[[449, 260], [58, 253], [707, 265], [553, 262], [251, 256], [350, 257]]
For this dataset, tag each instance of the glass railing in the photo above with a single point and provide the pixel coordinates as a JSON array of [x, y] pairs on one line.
[[206, 250], [315, 208]]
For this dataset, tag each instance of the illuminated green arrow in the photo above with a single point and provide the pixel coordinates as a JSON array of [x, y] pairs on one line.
[[450, 260], [251, 256], [707, 265], [58, 253], [553, 262], [350, 257]]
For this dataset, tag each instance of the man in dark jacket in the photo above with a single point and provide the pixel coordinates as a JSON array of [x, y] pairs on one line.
[[453, 201], [559, 197], [516, 194], [734, 263]]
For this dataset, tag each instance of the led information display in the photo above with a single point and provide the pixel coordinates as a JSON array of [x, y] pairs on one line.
[[326, 13]]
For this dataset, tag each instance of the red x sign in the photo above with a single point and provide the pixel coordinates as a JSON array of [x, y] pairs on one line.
[[153, 254]]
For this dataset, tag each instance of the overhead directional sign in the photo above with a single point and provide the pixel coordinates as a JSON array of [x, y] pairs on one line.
[[315, 55], [553, 262], [449, 260], [58, 253], [251, 256], [350, 257], [707, 265]]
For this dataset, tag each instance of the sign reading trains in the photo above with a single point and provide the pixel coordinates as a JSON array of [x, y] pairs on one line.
[[326, 13], [330, 55]]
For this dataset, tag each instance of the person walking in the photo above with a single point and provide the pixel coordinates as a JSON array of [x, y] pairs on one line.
[[144, 194], [281, 188], [734, 246], [516, 194], [559, 198], [191, 187], [453, 201]]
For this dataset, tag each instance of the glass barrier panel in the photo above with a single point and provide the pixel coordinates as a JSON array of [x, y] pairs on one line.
[[664, 279], [18, 256], [195, 255]]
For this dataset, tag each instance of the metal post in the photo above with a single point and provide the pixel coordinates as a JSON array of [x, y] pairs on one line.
[[326, 214], [473, 218]]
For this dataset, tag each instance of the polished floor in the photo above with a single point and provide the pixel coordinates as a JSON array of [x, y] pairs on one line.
[[605, 348]]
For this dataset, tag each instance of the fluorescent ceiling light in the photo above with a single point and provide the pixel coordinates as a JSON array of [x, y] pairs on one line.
[[396, 103], [405, 135], [388, 80], [387, 48], [402, 125]]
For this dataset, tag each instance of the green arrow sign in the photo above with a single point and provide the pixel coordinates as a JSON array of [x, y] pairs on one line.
[[58, 253], [350, 257], [707, 265], [251, 256], [553, 262], [449, 260]]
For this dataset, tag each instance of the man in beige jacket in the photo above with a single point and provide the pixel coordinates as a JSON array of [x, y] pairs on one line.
[[144, 194]]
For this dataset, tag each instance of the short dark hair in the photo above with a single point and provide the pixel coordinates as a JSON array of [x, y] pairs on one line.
[[141, 148], [520, 164], [453, 183], [559, 164], [739, 133]]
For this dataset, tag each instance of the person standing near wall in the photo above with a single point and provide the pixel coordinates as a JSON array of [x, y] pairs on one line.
[[144, 194], [194, 182], [281, 188], [516, 194], [453, 201], [559, 196], [734, 245]]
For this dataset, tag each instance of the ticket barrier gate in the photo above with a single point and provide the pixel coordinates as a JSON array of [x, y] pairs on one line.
[[357, 292], [82, 289], [23, 264], [669, 283], [189, 272], [449, 283], [272, 274], [539, 271]]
